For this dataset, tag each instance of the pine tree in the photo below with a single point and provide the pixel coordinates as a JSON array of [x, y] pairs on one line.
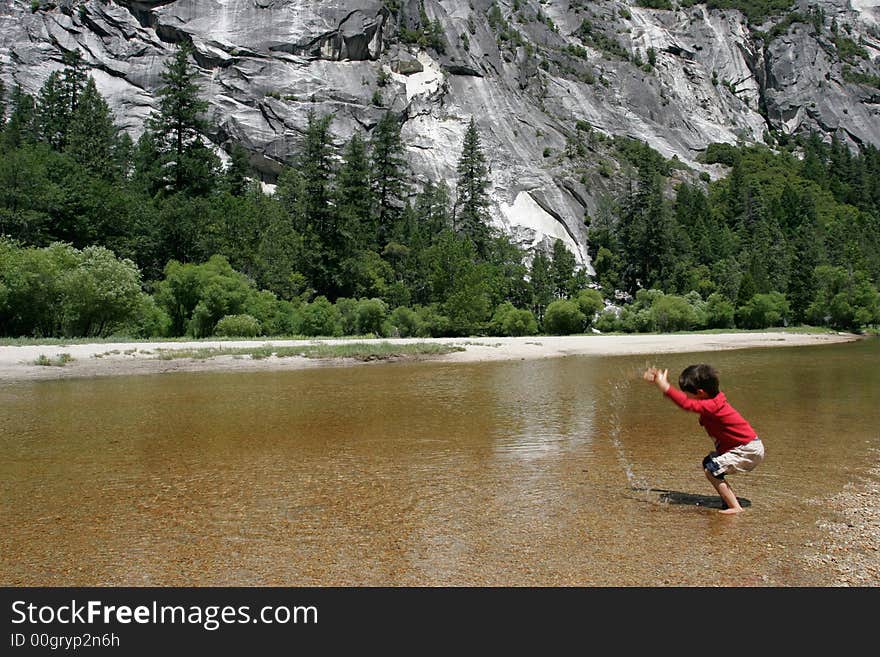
[[432, 210], [562, 269], [806, 256], [74, 78], [354, 203], [319, 226], [541, 282], [2, 105], [23, 126], [472, 200], [92, 135], [178, 128], [53, 108], [389, 175], [238, 171]]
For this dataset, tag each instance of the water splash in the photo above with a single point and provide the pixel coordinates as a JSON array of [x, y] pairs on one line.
[[619, 390]]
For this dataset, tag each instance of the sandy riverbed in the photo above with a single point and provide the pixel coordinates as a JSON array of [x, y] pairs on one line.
[[105, 359]]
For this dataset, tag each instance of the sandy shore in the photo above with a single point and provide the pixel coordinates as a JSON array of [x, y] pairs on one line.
[[17, 363]]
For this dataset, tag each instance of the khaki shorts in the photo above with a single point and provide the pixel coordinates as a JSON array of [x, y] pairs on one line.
[[744, 458]]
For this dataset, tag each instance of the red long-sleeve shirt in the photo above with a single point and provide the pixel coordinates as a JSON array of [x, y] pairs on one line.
[[720, 420]]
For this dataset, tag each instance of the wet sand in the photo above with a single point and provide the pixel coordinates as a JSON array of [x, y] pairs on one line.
[[17, 363]]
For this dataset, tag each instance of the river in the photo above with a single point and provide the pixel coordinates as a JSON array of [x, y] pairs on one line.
[[565, 471]]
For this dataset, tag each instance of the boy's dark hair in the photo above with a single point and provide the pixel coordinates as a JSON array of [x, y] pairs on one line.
[[699, 377]]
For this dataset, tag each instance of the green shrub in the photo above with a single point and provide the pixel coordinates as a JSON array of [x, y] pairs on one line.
[[607, 321], [62, 291], [563, 317], [634, 319], [148, 321], [320, 317], [509, 320], [673, 313], [432, 323], [370, 314], [238, 326], [762, 311], [590, 303], [347, 317], [405, 321], [719, 312]]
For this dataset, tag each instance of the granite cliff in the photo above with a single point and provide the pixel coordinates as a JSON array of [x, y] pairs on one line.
[[550, 83]]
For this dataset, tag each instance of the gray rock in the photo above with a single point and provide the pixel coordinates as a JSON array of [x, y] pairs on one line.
[[528, 81]]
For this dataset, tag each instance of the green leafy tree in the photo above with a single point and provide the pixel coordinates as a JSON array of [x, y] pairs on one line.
[[100, 294], [762, 311], [23, 126], [590, 303], [563, 317], [509, 320]]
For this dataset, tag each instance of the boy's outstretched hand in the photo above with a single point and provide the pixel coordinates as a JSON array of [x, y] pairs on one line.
[[658, 377]]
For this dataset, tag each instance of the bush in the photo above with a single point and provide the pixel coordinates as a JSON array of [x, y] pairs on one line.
[[762, 311], [62, 291], [197, 296], [719, 312], [607, 322], [509, 320], [634, 319], [370, 314], [590, 303], [237, 326], [405, 321], [148, 321], [347, 317], [673, 313], [320, 318], [563, 317], [432, 323]]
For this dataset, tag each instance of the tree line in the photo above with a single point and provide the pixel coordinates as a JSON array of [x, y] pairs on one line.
[[102, 235]]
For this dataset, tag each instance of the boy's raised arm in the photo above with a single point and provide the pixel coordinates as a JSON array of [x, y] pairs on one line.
[[658, 377]]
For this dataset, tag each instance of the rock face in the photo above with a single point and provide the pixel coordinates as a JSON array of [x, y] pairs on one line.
[[547, 82]]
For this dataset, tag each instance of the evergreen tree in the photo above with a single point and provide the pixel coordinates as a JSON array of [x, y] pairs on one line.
[[188, 165], [238, 171], [354, 202], [541, 282], [389, 175], [562, 270], [806, 256], [74, 78], [53, 108], [2, 105], [432, 210], [92, 135], [23, 126], [323, 239], [472, 201], [645, 233]]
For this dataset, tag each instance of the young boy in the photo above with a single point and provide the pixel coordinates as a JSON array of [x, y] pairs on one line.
[[737, 446]]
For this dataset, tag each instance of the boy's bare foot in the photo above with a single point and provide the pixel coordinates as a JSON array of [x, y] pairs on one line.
[[728, 512]]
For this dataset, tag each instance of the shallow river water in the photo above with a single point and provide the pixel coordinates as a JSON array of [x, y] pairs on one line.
[[565, 471]]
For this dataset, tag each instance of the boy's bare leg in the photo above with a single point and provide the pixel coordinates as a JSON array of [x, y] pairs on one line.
[[726, 493]]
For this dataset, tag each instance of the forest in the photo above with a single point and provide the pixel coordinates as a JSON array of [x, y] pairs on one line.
[[101, 235]]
